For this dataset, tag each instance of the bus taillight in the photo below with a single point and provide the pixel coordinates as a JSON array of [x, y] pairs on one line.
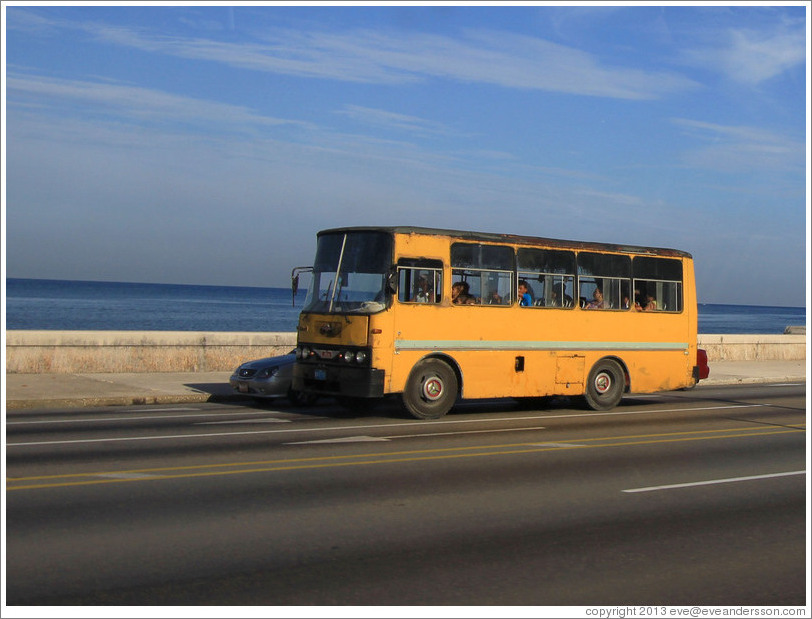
[[702, 368]]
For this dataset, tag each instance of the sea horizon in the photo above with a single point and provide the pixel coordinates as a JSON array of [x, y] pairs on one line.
[[104, 281], [90, 305]]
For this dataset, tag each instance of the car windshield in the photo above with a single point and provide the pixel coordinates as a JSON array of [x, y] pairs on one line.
[[350, 272]]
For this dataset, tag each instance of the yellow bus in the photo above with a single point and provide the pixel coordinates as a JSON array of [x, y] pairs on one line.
[[436, 315]]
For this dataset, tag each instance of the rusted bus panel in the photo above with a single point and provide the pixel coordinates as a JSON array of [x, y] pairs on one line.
[[484, 341], [570, 370], [333, 329], [492, 374], [516, 239], [382, 333], [659, 371], [412, 246]]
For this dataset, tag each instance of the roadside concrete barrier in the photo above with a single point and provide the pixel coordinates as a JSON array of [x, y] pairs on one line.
[[737, 347], [66, 352]]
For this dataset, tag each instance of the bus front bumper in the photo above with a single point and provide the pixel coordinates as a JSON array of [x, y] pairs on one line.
[[338, 381]]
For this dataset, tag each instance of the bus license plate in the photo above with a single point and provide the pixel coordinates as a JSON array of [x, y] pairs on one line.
[[320, 374]]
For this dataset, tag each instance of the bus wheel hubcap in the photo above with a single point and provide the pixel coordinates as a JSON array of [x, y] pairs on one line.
[[432, 388], [603, 382]]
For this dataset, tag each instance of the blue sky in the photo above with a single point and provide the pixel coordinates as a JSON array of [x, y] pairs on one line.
[[209, 144]]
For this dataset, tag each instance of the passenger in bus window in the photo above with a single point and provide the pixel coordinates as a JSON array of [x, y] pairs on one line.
[[525, 298], [651, 304], [460, 294], [424, 294], [597, 301], [555, 301], [494, 298], [457, 290]]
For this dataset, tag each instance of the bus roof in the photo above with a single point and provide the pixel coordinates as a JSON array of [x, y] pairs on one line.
[[489, 237]]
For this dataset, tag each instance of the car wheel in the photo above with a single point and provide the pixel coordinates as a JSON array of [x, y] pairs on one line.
[[431, 390], [605, 385]]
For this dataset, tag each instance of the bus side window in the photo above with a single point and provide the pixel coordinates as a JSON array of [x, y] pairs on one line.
[[482, 274], [658, 283], [603, 280], [419, 285], [428, 286], [550, 275]]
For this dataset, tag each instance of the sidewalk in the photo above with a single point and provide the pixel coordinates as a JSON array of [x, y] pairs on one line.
[[27, 391], [31, 391]]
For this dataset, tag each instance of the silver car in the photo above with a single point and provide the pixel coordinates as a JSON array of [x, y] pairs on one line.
[[269, 378]]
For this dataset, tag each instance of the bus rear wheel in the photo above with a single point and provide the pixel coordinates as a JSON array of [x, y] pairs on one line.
[[605, 386], [431, 390]]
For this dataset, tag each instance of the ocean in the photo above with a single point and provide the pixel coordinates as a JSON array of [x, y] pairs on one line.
[[100, 306]]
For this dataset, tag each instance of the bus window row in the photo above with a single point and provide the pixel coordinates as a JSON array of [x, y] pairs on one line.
[[545, 278]]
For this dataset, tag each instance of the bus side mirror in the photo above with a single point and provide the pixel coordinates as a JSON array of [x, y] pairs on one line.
[[392, 281], [294, 281]]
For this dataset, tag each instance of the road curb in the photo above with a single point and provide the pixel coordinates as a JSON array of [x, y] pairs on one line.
[[119, 401], [755, 380]]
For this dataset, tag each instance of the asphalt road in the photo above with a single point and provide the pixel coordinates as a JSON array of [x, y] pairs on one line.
[[694, 497]]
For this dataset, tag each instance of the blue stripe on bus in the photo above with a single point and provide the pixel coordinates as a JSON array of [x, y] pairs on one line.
[[536, 345]]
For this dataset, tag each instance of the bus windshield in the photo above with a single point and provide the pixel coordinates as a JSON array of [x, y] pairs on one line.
[[350, 272]]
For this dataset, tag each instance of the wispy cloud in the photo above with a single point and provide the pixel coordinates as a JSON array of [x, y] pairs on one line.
[[741, 148], [391, 120], [126, 101], [531, 63], [751, 57], [380, 57]]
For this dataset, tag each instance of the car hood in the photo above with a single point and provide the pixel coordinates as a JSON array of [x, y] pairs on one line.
[[269, 361]]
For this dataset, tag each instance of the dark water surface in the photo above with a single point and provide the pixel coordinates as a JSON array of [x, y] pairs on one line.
[[90, 306]]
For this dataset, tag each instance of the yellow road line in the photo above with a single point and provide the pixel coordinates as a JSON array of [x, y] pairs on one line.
[[138, 475], [395, 453]]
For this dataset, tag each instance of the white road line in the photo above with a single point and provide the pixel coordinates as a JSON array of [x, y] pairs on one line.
[[465, 432], [436, 422], [421, 435], [241, 421], [729, 480], [345, 439]]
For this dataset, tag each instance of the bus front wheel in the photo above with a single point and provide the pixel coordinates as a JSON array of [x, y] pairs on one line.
[[605, 386], [431, 390]]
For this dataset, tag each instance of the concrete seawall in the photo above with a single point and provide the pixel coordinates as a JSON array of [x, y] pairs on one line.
[[734, 347], [65, 352]]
